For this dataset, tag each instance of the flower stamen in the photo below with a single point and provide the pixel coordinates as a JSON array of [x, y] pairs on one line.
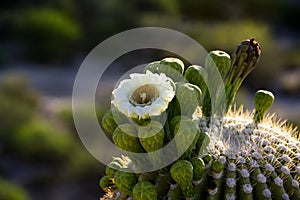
[[144, 95]]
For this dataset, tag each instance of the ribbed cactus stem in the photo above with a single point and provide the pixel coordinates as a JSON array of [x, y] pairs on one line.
[[200, 189], [261, 190], [230, 179], [284, 173], [244, 59], [245, 186], [215, 192], [263, 100], [276, 184]]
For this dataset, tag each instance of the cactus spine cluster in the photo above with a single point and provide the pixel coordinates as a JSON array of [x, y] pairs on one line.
[[240, 155]]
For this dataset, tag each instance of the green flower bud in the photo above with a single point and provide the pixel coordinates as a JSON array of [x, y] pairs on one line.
[[182, 173], [198, 168], [171, 67], [217, 166], [220, 59], [263, 100], [196, 75], [105, 183], [152, 138], [152, 67], [125, 181], [112, 168], [144, 190], [111, 119], [244, 59], [207, 158], [188, 96], [174, 63], [125, 137]]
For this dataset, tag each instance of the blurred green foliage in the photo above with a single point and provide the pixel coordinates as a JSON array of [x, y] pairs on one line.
[[48, 34], [9, 191], [18, 104], [40, 141]]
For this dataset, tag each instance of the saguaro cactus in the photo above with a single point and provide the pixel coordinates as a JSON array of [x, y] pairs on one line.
[[241, 155]]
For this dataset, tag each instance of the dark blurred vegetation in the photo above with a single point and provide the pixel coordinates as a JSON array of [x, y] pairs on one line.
[[52, 32], [43, 142], [60, 30]]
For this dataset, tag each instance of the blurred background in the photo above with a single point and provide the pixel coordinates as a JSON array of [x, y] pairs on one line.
[[42, 44]]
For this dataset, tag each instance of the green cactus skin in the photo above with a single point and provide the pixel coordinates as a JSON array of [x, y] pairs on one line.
[[217, 169], [196, 75], [244, 183], [243, 159], [175, 193], [148, 176], [125, 181], [244, 60], [182, 173], [263, 100], [111, 119], [275, 186], [187, 132], [222, 61], [175, 120], [230, 178], [105, 183], [174, 63], [260, 184], [198, 168], [152, 67], [163, 184], [217, 166], [207, 158], [144, 191], [152, 138], [125, 141], [201, 188], [202, 144]]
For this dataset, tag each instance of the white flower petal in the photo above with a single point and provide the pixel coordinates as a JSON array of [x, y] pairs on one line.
[[123, 93]]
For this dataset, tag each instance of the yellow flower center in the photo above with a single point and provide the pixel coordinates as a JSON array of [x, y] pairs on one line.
[[144, 95]]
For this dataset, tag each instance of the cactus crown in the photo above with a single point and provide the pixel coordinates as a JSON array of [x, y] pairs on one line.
[[241, 155]]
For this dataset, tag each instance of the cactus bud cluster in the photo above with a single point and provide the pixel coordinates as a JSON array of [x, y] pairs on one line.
[[241, 155]]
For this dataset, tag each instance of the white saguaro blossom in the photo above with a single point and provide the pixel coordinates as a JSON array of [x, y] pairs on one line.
[[143, 95]]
